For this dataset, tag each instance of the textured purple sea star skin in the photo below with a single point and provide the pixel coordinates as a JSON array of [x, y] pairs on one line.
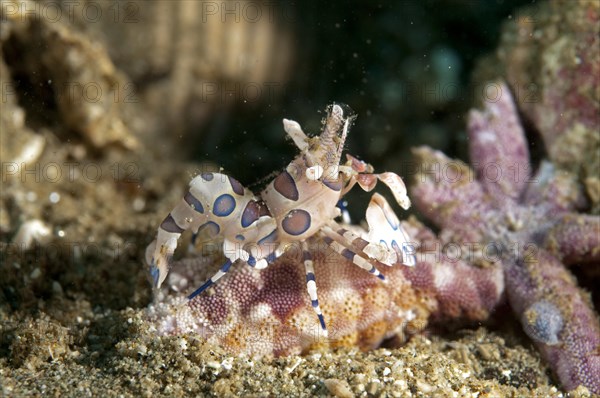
[[528, 225], [268, 312]]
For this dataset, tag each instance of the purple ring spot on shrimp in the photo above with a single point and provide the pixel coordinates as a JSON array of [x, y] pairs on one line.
[[272, 237], [251, 213], [207, 176], [224, 205], [263, 210], [286, 186], [335, 185], [296, 222], [236, 186], [194, 203], [212, 228], [170, 225]]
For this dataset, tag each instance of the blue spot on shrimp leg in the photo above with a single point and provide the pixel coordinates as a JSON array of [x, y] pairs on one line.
[[269, 259], [154, 273], [224, 269]]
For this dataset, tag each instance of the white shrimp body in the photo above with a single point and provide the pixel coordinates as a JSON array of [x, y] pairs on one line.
[[298, 204], [220, 206]]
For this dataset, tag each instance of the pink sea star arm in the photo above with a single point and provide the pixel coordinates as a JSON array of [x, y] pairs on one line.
[[576, 239], [554, 312], [498, 148], [557, 315], [457, 289], [445, 190]]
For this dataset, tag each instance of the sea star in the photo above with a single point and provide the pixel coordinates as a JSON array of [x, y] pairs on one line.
[[529, 225]]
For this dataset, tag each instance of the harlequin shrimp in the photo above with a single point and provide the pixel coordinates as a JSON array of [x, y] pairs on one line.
[[298, 204]]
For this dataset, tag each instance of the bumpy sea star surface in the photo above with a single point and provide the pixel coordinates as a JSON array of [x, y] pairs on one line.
[[499, 213], [267, 311]]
